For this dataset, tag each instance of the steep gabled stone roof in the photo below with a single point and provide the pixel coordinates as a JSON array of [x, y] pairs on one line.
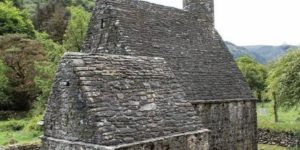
[[192, 48], [110, 100]]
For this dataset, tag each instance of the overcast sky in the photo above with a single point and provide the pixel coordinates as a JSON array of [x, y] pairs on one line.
[[254, 22]]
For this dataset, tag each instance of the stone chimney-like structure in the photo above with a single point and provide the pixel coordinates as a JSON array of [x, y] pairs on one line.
[[204, 9]]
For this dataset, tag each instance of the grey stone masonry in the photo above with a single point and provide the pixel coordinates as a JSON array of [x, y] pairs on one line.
[[149, 77], [110, 100], [203, 8], [197, 56], [187, 141], [232, 123]]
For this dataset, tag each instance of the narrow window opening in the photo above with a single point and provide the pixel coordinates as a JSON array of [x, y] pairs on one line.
[[102, 23], [66, 83]]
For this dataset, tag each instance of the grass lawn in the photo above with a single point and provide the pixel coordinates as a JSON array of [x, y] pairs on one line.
[[20, 131], [273, 147], [19, 137], [287, 119]]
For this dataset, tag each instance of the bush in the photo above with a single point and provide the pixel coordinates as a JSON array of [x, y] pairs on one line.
[[284, 81], [255, 75], [13, 125], [20, 131], [76, 29], [3, 86], [32, 124], [46, 71], [19, 53], [13, 20]]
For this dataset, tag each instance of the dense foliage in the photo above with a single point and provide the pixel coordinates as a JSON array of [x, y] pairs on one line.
[[76, 29], [19, 54], [284, 80], [30, 58], [53, 19], [254, 73], [3, 85], [46, 70], [88, 5], [13, 20]]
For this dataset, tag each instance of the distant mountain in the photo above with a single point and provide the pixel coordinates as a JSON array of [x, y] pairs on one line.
[[268, 52], [238, 51], [261, 53]]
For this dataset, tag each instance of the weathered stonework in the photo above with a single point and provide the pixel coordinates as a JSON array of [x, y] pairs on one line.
[[187, 141], [204, 9], [199, 59], [34, 146], [185, 38], [110, 97], [232, 123], [107, 100], [286, 139]]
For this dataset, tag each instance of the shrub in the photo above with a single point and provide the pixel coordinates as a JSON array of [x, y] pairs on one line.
[[12, 125], [19, 53], [32, 124], [3, 85], [13, 20]]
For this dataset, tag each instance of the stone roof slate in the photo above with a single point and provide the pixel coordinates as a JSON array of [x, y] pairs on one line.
[[192, 48], [110, 100]]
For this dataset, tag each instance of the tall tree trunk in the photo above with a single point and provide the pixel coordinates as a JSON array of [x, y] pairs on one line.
[[275, 107], [260, 98]]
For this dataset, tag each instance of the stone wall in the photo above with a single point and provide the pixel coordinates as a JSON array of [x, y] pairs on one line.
[[232, 123], [35, 146], [58, 144], [187, 141], [286, 139]]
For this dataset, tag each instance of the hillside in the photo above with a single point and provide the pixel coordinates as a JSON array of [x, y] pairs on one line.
[[268, 52], [261, 53], [238, 51]]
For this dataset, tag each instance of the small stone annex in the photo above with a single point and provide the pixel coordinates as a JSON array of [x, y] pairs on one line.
[[150, 77]]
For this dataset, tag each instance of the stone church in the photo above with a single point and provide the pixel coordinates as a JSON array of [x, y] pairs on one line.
[[150, 77]]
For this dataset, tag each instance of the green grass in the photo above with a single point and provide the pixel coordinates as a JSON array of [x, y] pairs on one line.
[[274, 147], [20, 131], [19, 137], [287, 119]]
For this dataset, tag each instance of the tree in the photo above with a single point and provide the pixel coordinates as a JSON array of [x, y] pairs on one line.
[[77, 28], [18, 3], [254, 73], [31, 6], [284, 80], [88, 5], [52, 16], [20, 54], [46, 70], [13, 20], [53, 19], [4, 102]]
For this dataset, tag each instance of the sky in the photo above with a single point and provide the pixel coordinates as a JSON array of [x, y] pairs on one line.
[[254, 22]]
